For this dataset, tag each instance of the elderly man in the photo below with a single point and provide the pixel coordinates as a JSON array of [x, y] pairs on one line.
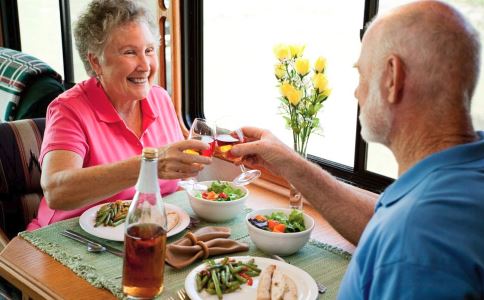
[[423, 239]]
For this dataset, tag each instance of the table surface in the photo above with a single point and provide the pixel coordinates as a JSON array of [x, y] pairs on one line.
[[39, 276]]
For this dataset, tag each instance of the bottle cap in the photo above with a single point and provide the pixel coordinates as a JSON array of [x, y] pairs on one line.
[[150, 153]]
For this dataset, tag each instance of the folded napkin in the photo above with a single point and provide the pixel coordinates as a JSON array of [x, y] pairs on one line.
[[205, 242]]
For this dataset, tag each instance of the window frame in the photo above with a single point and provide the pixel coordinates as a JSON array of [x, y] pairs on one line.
[[192, 70]]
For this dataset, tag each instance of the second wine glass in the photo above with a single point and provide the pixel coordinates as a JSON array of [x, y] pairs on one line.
[[226, 139]]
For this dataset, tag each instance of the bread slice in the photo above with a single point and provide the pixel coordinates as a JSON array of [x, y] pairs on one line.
[[278, 285], [172, 220], [264, 287], [290, 289]]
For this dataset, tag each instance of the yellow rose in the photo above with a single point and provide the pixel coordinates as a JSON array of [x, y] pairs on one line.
[[291, 93], [302, 66], [320, 64], [284, 88], [279, 71], [327, 92], [320, 82], [282, 52], [296, 50]]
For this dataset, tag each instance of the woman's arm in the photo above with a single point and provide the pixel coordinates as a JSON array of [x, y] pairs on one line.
[[67, 185]]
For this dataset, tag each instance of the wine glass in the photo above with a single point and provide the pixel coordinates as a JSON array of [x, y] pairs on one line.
[[226, 139], [203, 131]]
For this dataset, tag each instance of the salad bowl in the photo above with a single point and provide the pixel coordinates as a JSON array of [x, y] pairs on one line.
[[222, 201], [291, 233]]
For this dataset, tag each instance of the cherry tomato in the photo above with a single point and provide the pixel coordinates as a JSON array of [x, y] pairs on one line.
[[279, 228], [271, 224]]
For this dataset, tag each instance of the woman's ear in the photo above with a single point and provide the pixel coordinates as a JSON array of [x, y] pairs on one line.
[[394, 79], [94, 62]]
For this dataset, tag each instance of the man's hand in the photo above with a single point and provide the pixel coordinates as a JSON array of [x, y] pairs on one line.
[[264, 149]]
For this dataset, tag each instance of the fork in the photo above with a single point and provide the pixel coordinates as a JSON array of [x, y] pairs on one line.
[[321, 287], [182, 295]]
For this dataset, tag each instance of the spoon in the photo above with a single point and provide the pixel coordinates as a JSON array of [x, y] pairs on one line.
[[91, 247], [95, 248]]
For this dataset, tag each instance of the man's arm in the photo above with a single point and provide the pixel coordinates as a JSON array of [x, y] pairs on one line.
[[345, 207]]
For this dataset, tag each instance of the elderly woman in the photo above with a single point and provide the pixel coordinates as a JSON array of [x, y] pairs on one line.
[[95, 131]]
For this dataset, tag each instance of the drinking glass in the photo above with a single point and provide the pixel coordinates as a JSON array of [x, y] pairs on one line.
[[201, 130], [226, 139]]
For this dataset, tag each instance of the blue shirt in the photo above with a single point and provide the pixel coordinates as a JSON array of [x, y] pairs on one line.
[[426, 238]]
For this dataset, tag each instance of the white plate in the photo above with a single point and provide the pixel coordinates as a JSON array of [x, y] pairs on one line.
[[306, 286], [87, 221]]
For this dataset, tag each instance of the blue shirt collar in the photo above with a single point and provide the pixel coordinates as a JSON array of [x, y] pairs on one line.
[[455, 155]]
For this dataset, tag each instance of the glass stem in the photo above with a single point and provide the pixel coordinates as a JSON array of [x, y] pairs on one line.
[[242, 168]]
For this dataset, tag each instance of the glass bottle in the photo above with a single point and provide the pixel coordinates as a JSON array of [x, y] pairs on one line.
[[145, 234]]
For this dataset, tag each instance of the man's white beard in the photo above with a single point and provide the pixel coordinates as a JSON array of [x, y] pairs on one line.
[[375, 117]]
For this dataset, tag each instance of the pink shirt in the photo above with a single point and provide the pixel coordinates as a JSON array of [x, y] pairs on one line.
[[84, 121]]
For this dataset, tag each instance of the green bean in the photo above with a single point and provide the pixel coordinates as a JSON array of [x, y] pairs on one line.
[[236, 269], [211, 291], [240, 278], [252, 273], [205, 280], [198, 280], [217, 285], [252, 267], [227, 274], [118, 222], [211, 285], [224, 276], [232, 289]]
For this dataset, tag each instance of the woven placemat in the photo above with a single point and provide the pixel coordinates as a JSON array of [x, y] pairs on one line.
[[325, 263]]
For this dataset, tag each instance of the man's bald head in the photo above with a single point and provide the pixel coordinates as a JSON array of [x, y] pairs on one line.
[[440, 49]]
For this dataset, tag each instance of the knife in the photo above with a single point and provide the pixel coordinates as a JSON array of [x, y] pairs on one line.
[[84, 239]]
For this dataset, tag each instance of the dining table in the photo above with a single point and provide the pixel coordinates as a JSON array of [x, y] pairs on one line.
[[43, 264]]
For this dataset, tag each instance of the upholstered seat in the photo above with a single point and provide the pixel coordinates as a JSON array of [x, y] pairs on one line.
[[27, 86], [20, 190]]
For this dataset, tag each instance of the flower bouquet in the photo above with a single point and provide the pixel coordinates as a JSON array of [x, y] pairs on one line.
[[303, 93]]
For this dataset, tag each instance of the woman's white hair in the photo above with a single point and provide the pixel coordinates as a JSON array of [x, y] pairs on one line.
[[95, 24]]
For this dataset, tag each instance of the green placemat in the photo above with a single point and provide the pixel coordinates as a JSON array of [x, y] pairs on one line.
[[325, 263]]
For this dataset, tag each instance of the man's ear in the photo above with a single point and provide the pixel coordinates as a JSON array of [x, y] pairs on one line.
[[94, 62], [393, 79]]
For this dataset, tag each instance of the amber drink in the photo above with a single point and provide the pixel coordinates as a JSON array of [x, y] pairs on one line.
[[145, 234], [144, 242]]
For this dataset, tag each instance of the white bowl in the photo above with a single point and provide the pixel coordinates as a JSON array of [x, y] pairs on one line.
[[278, 243], [217, 211]]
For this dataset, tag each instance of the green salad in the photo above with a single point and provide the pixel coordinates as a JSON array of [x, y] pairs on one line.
[[280, 222], [221, 191]]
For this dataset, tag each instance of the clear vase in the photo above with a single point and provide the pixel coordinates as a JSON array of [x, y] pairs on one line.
[[295, 196]]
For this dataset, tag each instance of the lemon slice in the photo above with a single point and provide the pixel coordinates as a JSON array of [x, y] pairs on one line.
[[225, 148], [190, 151]]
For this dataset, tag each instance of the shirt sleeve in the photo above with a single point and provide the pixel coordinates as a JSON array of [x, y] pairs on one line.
[[412, 281], [64, 131]]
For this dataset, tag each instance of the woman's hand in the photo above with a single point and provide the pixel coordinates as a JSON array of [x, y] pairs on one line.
[[174, 163]]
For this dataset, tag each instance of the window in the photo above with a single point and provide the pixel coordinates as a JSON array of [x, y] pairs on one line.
[[229, 70], [40, 31], [239, 63]]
